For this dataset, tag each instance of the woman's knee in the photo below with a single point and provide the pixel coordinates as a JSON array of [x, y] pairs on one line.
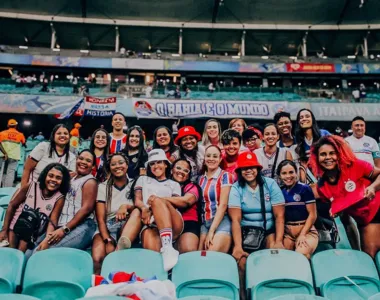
[[135, 214]]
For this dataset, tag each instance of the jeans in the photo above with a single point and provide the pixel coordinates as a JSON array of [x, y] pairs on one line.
[[9, 171]]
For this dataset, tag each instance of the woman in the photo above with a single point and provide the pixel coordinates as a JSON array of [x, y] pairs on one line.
[[215, 185], [100, 145], [56, 150], [255, 202], [135, 151], [162, 222], [76, 225], [163, 139], [252, 138], [231, 141], [284, 125], [187, 204], [187, 140], [47, 195], [212, 134], [300, 211], [237, 124], [351, 186], [113, 208], [270, 156]]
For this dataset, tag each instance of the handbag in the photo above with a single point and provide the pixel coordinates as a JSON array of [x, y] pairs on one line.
[[253, 236], [28, 224], [327, 231]]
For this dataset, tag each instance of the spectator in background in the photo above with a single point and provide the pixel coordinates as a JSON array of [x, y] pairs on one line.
[[149, 90], [356, 95], [45, 88], [75, 137], [122, 52], [364, 147], [75, 85], [11, 141], [211, 87], [175, 127], [237, 124], [40, 137]]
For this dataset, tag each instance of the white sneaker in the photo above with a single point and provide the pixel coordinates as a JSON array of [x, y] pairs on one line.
[[169, 257], [124, 243]]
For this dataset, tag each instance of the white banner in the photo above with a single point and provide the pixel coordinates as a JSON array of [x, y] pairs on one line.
[[186, 109], [346, 111]]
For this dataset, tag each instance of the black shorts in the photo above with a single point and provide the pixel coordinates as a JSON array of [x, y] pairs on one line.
[[192, 226], [376, 218]]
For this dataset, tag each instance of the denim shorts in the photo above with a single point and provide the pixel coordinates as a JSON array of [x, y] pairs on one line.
[[224, 226], [114, 228]]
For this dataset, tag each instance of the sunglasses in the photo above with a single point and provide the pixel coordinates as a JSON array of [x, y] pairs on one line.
[[186, 171], [157, 162]]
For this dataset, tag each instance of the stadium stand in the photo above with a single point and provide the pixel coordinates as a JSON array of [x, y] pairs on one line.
[[11, 271]]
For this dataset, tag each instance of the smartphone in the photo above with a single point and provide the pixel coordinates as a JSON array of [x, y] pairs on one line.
[[4, 243]]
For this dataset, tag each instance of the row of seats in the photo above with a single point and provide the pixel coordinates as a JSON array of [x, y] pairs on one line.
[[65, 274]]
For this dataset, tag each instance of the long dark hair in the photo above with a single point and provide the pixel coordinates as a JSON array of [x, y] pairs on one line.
[[65, 184], [100, 174], [142, 156], [172, 146], [300, 134], [66, 151], [110, 180]]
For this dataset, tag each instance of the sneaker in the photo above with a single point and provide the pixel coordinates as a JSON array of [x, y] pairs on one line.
[[123, 243], [169, 257]]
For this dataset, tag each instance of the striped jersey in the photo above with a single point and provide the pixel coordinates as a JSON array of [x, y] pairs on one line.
[[117, 145], [211, 188]]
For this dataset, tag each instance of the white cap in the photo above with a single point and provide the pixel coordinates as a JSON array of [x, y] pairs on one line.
[[155, 155]]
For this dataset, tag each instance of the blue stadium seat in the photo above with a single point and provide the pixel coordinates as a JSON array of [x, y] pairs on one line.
[[299, 297], [61, 273], [16, 297], [11, 267], [2, 214], [102, 298], [271, 273], [4, 201], [375, 297], [145, 263], [377, 261], [7, 191], [345, 274], [203, 298], [203, 273]]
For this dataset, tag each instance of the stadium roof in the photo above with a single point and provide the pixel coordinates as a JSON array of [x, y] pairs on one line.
[[273, 27]]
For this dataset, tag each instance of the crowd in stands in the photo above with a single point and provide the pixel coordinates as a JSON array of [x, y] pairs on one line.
[[234, 191]]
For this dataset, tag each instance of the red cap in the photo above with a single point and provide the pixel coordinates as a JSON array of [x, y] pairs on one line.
[[248, 159], [185, 131]]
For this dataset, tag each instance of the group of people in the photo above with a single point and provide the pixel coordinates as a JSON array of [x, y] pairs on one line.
[[234, 191]]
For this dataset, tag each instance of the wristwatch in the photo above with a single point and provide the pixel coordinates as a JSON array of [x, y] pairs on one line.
[[66, 230], [109, 240]]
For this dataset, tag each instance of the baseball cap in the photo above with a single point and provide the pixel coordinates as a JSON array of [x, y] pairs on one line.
[[12, 122]]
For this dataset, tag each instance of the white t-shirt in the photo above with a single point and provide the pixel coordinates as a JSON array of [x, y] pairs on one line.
[[119, 197], [150, 186], [267, 162], [364, 148], [40, 154]]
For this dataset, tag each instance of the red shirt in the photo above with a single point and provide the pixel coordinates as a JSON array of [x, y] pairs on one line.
[[191, 214], [348, 193]]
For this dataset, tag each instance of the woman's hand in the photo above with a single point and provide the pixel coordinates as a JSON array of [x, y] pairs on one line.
[[278, 245], [238, 253], [3, 235], [369, 192], [301, 241], [153, 198], [44, 245], [56, 236], [146, 215], [122, 213], [209, 239]]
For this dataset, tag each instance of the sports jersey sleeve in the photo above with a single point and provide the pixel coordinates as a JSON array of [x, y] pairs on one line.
[[101, 197], [307, 195], [176, 189], [363, 168], [276, 195], [375, 150], [227, 179], [40, 151], [192, 189], [139, 184], [234, 199]]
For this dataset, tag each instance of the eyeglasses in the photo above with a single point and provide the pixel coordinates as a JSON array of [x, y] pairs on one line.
[[157, 162], [252, 140], [186, 171]]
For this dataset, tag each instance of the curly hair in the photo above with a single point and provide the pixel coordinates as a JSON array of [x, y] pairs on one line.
[[228, 135], [65, 184], [346, 156]]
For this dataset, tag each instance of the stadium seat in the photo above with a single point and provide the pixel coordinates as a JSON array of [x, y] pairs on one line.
[[375, 297], [298, 297], [103, 298], [2, 214], [203, 298], [16, 297], [206, 273], [11, 267], [271, 273], [4, 201], [377, 261], [145, 263], [7, 191], [61, 273], [345, 274]]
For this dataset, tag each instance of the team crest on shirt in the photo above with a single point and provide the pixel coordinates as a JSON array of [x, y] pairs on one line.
[[49, 207], [267, 197], [297, 197], [366, 145], [350, 186]]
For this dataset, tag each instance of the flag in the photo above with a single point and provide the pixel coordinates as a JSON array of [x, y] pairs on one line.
[[70, 111]]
